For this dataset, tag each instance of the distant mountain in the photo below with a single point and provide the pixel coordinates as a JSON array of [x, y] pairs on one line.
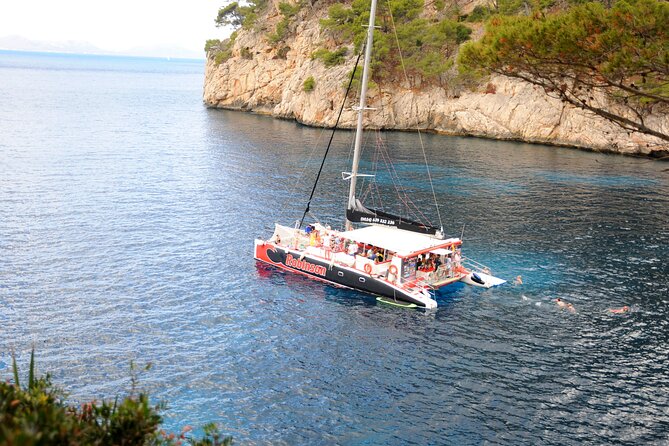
[[20, 43]]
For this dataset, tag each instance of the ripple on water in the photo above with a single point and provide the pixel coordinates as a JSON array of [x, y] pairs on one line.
[[128, 236]]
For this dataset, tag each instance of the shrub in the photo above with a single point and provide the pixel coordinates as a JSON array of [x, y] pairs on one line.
[[36, 414], [283, 52], [211, 44], [355, 84], [223, 50], [246, 53], [309, 84], [288, 11], [280, 33], [427, 46], [236, 15], [330, 58], [479, 14]]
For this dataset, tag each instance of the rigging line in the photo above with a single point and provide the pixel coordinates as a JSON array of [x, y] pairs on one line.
[[409, 206], [334, 129], [292, 187], [420, 137]]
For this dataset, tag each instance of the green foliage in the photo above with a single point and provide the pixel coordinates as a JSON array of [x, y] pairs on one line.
[[246, 53], [211, 44], [426, 45], [309, 84], [223, 50], [479, 14], [237, 15], [357, 78], [288, 11], [280, 33], [621, 52], [282, 53], [330, 58], [37, 415], [230, 15]]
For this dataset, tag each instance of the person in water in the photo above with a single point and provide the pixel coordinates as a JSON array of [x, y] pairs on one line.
[[518, 281], [562, 304], [620, 310]]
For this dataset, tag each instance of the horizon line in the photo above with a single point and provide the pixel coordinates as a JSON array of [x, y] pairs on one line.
[[106, 54]]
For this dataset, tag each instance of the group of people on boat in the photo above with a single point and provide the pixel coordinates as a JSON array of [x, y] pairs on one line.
[[430, 266], [429, 262], [331, 241]]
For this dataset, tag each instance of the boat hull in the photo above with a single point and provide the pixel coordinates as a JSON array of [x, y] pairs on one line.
[[336, 274]]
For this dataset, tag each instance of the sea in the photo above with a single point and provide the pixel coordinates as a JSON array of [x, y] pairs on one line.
[[128, 211]]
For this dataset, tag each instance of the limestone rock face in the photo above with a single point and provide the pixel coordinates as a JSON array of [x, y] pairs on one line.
[[268, 78]]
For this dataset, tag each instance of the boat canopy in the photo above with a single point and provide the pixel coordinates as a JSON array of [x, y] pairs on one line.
[[403, 243]]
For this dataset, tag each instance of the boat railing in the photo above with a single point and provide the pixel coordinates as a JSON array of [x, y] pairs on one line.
[[473, 264]]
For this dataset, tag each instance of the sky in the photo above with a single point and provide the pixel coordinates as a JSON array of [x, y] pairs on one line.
[[118, 25]]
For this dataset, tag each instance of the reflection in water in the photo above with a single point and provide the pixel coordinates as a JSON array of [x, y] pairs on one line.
[[128, 236]]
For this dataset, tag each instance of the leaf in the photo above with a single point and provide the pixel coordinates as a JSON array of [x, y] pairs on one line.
[[31, 371], [16, 370]]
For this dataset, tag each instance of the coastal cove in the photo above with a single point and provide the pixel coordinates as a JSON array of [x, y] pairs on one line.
[[129, 211], [258, 71]]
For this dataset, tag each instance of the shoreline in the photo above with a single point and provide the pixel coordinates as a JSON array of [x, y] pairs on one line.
[[659, 155]]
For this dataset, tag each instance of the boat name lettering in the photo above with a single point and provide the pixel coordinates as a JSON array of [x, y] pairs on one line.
[[305, 266], [382, 221]]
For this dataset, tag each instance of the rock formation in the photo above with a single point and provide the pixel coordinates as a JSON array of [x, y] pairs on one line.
[[268, 78]]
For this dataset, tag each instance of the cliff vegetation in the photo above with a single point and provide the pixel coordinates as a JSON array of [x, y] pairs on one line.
[[458, 66]]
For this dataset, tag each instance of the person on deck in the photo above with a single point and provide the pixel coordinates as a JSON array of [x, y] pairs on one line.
[[449, 266], [327, 241], [379, 257]]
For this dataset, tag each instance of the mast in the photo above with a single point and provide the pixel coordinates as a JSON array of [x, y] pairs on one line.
[[361, 110]]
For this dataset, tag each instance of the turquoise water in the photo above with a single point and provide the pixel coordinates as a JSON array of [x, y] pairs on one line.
[[127, 217]]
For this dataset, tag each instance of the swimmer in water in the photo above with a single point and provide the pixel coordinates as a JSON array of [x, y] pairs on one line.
[[518, 281], [620, 310], [562, 304]]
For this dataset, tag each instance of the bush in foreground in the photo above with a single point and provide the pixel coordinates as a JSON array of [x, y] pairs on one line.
[[37, 414]]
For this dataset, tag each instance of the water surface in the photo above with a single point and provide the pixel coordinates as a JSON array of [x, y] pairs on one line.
[[127, 218]]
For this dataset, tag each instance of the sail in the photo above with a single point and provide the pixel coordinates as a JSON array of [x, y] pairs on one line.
[[361, 214]]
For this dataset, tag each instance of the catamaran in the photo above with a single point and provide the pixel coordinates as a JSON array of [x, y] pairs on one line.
[[399, 259]]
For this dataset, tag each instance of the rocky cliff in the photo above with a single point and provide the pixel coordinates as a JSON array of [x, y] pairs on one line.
[[268, 78]]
